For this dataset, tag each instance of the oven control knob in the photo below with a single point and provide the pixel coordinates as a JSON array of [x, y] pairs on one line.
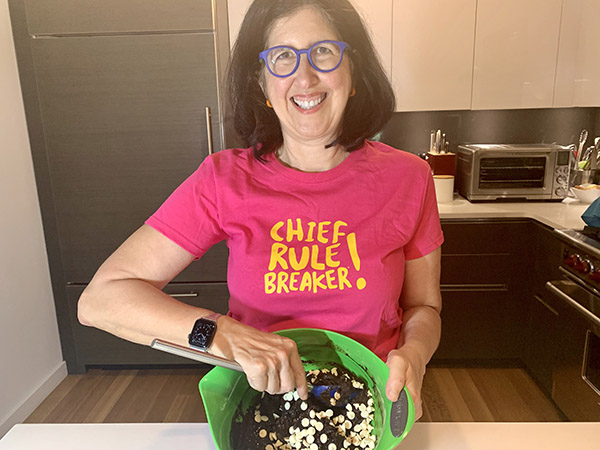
[[573, 261], [595, 276], [586, 267]]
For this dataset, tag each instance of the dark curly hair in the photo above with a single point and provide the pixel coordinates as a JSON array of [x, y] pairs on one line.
[[257, 125]]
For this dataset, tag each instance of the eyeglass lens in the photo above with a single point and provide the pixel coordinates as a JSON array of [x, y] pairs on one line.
[[323, 56]]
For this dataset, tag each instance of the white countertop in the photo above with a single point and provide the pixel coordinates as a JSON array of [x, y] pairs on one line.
[[423, 436], [561, 215]]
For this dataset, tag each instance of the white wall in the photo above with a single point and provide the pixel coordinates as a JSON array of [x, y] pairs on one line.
[[31, 363]]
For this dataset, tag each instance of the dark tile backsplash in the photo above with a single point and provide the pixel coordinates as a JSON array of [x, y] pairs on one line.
[[410, 131]]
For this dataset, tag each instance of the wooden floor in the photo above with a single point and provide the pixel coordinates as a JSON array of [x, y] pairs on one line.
[[171, 395]]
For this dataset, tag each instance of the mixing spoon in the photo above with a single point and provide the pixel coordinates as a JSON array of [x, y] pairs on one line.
[[205, 357]]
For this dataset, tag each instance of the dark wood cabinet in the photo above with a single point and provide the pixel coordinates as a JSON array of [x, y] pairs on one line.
[[117, 16], [124, 124], [115, 94], [542, 344], [483, 294]]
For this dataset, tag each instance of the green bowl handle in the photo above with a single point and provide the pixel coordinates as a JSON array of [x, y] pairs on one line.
[[402, 415]]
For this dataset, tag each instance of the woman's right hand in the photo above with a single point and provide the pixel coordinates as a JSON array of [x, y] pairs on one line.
[[271, 362]]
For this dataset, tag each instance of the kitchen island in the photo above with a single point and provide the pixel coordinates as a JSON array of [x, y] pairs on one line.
[[561, 215], [423, 436]]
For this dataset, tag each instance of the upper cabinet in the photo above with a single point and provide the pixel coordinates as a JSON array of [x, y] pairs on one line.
[[115, 16], [578, 68], [482, 54], [516, 48], [377, 16], [432, 53]]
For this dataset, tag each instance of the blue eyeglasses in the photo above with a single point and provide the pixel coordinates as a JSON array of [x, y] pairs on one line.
[[283, 60]]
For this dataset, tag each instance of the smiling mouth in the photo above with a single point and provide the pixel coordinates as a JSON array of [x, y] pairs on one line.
[[308, 104]]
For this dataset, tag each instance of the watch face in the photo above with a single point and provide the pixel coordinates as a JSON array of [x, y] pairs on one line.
[[202, 334]]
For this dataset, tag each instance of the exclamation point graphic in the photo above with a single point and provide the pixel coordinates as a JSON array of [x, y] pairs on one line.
[[351, 240]]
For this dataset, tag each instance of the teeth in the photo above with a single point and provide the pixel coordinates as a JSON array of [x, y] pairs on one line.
[[308, 104]]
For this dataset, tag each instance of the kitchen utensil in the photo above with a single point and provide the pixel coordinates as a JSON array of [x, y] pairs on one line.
[[223, 390], [438, 141], [432, 141], [582, 138], [594, 159], [207, 358]]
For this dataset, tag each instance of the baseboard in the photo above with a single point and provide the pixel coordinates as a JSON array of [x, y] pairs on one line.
[[35, 399]]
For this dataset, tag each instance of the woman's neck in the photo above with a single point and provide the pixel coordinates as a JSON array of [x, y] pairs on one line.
[[311, 158]]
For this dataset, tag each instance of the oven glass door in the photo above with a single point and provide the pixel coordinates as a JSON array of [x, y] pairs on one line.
[[513, 172], [591, 363]]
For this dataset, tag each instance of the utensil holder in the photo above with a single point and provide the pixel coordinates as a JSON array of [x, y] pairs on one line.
[[442, 163], [580, 176]]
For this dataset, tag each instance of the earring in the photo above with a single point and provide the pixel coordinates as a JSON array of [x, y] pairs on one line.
[[269, 104], [353, 92]]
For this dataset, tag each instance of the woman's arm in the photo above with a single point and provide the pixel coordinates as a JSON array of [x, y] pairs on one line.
[[421, 328], [125, 298]]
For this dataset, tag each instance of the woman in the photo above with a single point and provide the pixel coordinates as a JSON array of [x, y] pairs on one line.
[[325, 229]]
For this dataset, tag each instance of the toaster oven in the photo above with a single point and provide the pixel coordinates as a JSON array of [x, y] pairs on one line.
[[512, 172]]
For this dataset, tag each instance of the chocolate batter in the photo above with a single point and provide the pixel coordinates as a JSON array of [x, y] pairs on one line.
[[329, 422]]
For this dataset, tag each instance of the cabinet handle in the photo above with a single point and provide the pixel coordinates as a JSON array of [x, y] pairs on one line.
[[209, 130], [544, 303], [584, 312], [185, 294]]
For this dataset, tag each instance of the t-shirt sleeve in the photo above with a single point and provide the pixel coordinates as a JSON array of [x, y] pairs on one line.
[[190, 215], [428, 232]]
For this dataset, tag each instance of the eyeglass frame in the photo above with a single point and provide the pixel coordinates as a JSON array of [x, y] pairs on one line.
[[262, 56]]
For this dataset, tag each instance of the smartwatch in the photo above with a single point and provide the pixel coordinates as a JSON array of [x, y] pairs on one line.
[[203, 332]]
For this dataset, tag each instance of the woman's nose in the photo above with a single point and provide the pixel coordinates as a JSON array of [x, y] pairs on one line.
[[306, 74]]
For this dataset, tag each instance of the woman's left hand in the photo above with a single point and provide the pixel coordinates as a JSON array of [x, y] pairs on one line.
[[406, 369]]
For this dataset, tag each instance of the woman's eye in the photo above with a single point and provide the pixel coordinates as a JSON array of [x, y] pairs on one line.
[[322, 50], [284, 55]]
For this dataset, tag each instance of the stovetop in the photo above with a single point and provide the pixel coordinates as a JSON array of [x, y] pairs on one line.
[[587, 239]]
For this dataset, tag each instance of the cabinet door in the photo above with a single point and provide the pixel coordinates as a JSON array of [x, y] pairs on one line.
[[516, 48], [483, 289], [124, 125], [578, 68], [432, 54], [541, 347], [116, 16], [94, 347], [375, 14], [475, 325]]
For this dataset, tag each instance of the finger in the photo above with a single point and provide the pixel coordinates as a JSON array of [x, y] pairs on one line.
[[258, 383], [273, 375], [396, 382], [299, 376]]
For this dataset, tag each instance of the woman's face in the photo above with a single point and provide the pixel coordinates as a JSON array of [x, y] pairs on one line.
[[289, 96]]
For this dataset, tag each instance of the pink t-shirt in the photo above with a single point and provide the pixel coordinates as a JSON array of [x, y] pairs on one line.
[[321, 250]]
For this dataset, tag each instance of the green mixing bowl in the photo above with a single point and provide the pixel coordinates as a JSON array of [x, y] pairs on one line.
[[223, 390]]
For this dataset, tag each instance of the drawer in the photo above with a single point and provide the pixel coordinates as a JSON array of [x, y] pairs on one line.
[[475, 237], [477, 324], [95, 347]]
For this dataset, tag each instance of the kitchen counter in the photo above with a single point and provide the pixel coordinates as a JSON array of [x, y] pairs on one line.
[[561, 215], [423, 436]]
